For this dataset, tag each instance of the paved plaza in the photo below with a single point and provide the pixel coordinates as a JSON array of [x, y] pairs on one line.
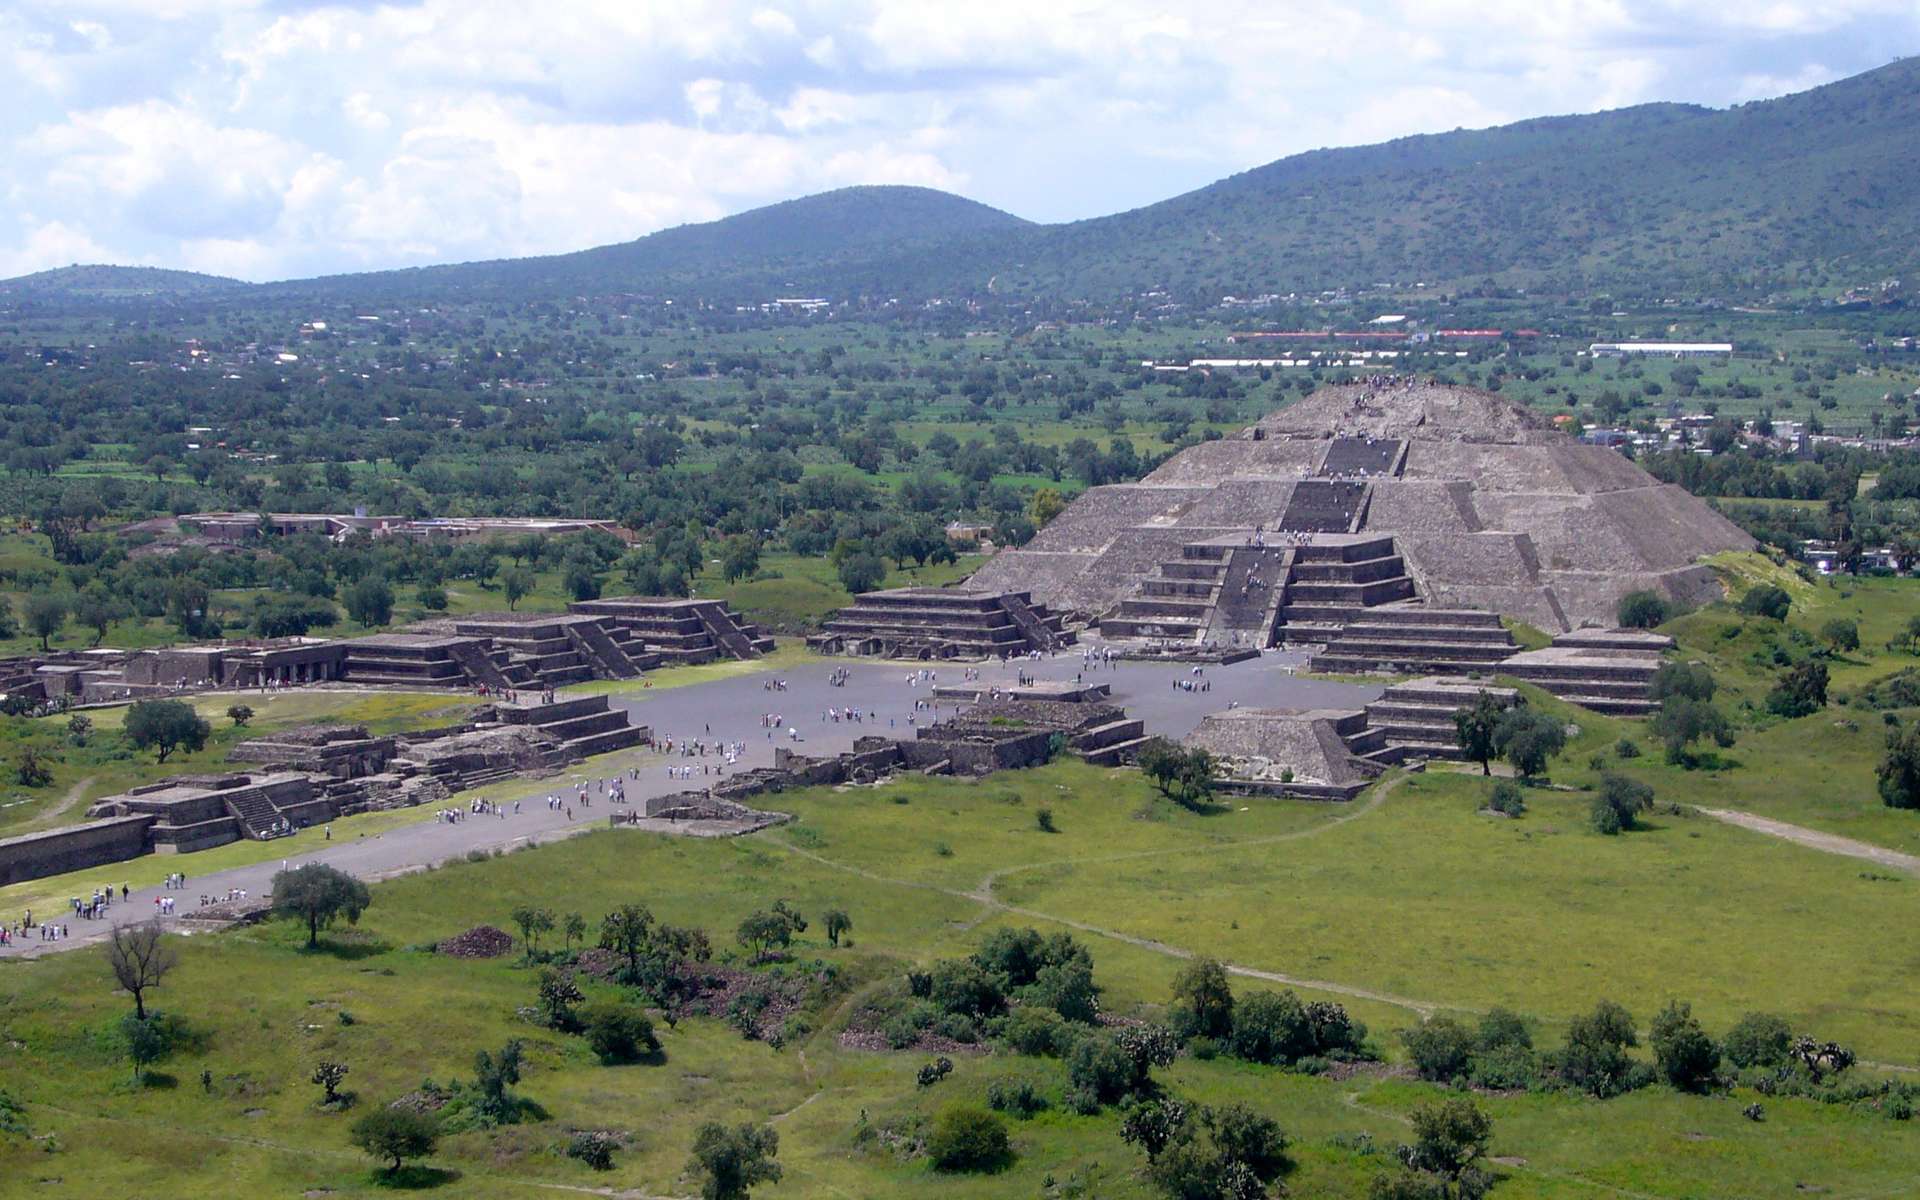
[[737, 710]]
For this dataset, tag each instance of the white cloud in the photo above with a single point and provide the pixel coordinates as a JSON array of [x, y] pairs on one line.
[[271, 139]]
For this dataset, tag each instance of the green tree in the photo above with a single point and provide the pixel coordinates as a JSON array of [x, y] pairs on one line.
[[164, 726], [862, 572], [370, 601], [140, 958], [619, 1032], [328, 1076], [1475, 727], [1682, 679], [965, 1138], [1528, 738], [1682, 721], [150, 1039], [515, 584], [1448, 1137], [1801, 691], [1440, 1048], [1202, 1001], [1759, 1040], [1594, 1058], [318, 895], [1766, 601], [1619, 803], [97, 609], [1643, 610], [581, 579], [532, 922], [1271, 1027], [1687, 1056], [628, 932], [1899, 770], [494, 1076], [394, 1135], [46, 615], [1841, 635], [239, 714], [730, 1163], [559, 996], [739, 558], [838, 924]]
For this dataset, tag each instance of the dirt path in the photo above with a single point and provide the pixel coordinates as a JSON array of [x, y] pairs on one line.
[[1814, 839]]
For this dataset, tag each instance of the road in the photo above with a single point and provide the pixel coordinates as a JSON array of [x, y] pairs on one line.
[[731, 709]]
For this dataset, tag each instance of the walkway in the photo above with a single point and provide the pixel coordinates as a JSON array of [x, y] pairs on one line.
[[1832, 843]]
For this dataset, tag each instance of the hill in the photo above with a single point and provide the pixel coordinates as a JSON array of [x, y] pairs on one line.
[[101, 282], [797, 241]]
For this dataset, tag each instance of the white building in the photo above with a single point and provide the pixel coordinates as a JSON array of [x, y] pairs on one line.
[[1660, 349]]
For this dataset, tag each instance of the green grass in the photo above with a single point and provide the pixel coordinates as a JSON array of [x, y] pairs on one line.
[[1401, 891]]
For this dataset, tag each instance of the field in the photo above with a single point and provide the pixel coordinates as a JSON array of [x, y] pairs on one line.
[[1410, 897]]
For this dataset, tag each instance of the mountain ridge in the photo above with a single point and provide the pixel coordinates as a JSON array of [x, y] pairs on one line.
[[1799, 193]]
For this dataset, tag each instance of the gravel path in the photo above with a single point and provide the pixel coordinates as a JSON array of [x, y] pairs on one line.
[[1831, 843]]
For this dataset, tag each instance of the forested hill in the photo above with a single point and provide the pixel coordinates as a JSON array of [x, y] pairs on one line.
[[115, 283], [799, 243], [1809, 194]]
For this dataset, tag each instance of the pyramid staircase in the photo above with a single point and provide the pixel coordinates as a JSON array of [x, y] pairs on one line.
[[1108, 745], [256, 814], [1334, 581], [1217, 591]]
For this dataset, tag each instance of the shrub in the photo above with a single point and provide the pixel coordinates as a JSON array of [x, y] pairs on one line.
[[1841, 635], [1801, 691], [1676, 679], [1202, 1001], [933, 1072], [1766, 601], [1619, 801], [1506, 799], [619, 1032], [961, 985], [1043, 818], [1448, 1137], [1441, 1048], [1528, 738], [1759, 1040], [396, 1134], [1643, 610], [1099, 1068], [1015, 1096], [1271, 1027], [969, 1139], [594, 1148], [1033, 1030], [1687, 1056], [1627, 748], [1683, 721], [1594, 1059]]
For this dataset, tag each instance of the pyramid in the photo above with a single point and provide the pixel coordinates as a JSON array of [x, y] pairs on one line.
[[1381, 493]]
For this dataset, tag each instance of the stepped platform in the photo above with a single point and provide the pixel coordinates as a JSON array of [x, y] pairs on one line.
[[1602, 679], [654, 630], [419, 660], [1413, 639], [1414, 720], [1220, 593], [1061, 690], [198, 812], [941, 623], [551, 650], [580, 725], [1298, 753]]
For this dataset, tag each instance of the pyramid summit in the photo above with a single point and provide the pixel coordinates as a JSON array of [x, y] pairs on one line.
[[1379, 493]]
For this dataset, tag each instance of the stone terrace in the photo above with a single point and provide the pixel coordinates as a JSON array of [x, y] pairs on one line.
[[938, 623]]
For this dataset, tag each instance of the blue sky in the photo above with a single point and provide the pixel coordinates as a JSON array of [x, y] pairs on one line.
[[283, 138]]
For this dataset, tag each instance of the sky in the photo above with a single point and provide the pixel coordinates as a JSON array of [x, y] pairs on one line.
[[272, 139]]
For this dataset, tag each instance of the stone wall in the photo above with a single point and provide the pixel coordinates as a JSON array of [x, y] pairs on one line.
[[75, 848]]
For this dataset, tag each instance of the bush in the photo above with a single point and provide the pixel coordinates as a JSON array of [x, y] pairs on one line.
[[961, 985], [1687, 1056], [1766, 601], [1759, 1040], [1441, 1049], [593, 1148], [1643, 610], [1015, 1096], [396, 1134], [1676, 679], [1594, 1059], [1528, 738], [1270, 1027], [1506, 799], [1801, 691], [933, 1072], [1038, 1031], [1202, 1001], [1841, 635], [1043, 819], [1101, 1070], [1627, 748], [619, 1032], [969, 1139]]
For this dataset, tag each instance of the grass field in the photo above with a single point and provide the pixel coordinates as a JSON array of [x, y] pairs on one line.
[[1418, 893]]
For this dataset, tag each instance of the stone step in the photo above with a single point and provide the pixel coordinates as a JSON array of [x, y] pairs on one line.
[[1114, 755], [1367, 628], [606, 743], [1410, 650]]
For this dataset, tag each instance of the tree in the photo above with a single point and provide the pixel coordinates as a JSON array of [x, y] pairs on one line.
[[581, 579], [1801, 691], [532, 922], [619, 1032], [494, 1076], [1594, 1058], [1528, 738], [239, 714], [1153, 1124], [770, 929], [370, 601], [97, 609], [1271, 1027], [140, 957], [1441, 1048], [1683, 721], [739, 558], [1841, 635], [862, 571], [1475, 728], [1687, 1056], [1680, 679], [396, 1134], [1899, 770], [730, 1163], [965, 1138], [838, 924], [164, 726], [573, 929], [1643, 610], [1619, 801], [46, 616], [319, 895], [1229, 1153], [1759, 1040], [559, 994], [1766, 601], [628, 932], [329, 1076], [515, 584], [1046, 505], [149, 1039], [1448, 1137], [1202, 1001]]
